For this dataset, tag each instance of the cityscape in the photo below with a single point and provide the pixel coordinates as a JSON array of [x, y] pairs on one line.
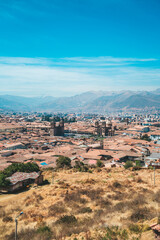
[[50, 158], [79, 120]]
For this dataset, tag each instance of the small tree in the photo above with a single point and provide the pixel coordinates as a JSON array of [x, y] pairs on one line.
[[63, 161], [21, 167], [80, 166], [138, 163], [99, 163], [3, 182], [145, 137], [128, 164]]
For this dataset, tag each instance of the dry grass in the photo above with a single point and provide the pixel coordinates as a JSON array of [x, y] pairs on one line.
[[110, 197], [57, 208], [156, 196], [143, 213]]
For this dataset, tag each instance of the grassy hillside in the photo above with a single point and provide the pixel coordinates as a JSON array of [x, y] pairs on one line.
[[85, 206]]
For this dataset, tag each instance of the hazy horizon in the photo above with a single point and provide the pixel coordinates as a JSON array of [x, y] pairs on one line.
[[98, 91]]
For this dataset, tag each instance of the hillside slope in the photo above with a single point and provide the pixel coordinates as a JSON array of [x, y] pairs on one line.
[[98, 102], [93, 201]]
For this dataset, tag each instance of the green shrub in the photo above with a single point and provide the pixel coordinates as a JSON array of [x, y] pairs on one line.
[[135, 228], [138, 163], [150, 167], [85, 210], [63, 162], [80, 166], [3, 182], [115, 233], [7, 219], [67, 219], [21, 167], [138, 228], [128, 164], [99, 163], [43, 229], [116, 184]]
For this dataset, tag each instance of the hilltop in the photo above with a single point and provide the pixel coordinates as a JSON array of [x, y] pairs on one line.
[[82, 205]]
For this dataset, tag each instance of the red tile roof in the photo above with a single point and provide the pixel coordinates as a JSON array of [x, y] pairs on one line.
[[21, 176]]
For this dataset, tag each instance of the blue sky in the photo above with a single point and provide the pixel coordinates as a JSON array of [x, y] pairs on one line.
[[65, 47]]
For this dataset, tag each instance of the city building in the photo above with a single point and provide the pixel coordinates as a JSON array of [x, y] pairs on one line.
[[103, 129], [57, 129], [19, 180]]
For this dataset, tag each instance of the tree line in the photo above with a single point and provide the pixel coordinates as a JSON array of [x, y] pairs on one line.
[[16, 167]]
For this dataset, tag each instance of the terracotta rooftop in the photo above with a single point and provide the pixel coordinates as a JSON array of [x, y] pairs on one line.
[[21, 176]]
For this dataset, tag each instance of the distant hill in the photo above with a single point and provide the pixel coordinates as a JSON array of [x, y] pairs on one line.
[[12, 104], [18, 103], [97, 102]]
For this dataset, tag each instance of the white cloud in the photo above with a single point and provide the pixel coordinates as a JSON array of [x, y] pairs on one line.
[[63, 77], [22, 60], [99, 61], [108, 59]]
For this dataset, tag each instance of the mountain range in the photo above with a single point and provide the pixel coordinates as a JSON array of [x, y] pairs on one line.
[[90, 102]]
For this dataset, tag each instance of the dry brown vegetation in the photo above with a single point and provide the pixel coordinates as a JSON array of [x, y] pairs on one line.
[[117, 204]]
